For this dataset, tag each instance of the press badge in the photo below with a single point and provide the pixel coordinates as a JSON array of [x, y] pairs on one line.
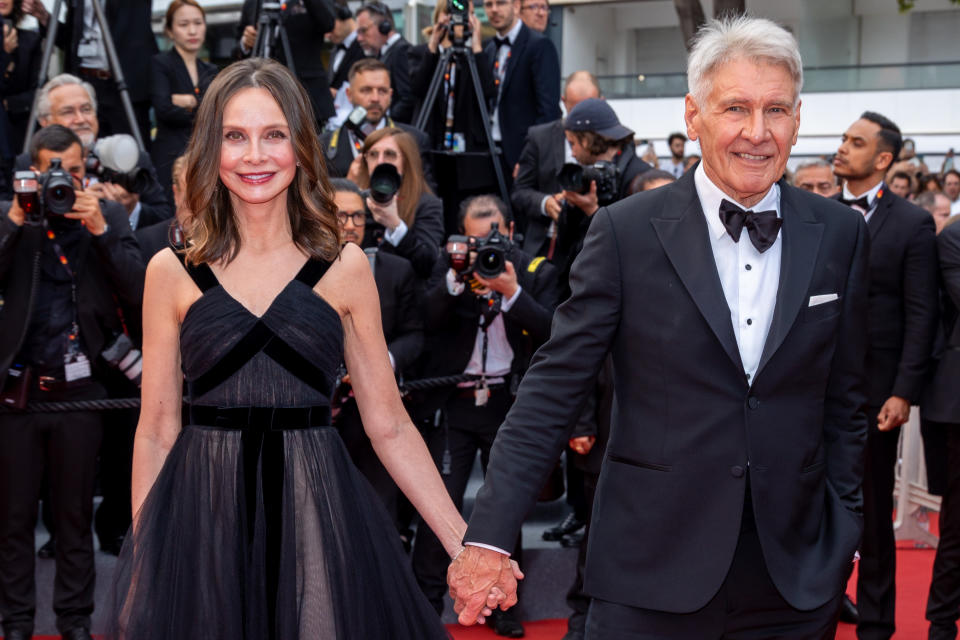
[[87, 49], [481, 394], [76, 366]]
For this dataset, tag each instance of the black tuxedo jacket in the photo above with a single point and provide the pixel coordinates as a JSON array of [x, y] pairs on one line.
[[354, 52], [530, 93], [19, 85], [111, 273], [306, 22], [421, 244], [941, 402], [903, 299], [401, 310], [453, 320], [133, 38], [466, 112], [688, 429], [337, 143], [154, 205], [397, 59], [155, 238], [540, 162]]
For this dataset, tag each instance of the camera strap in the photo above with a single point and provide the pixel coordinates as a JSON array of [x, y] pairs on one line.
[[449, 85], [76, 363], [487, 316]]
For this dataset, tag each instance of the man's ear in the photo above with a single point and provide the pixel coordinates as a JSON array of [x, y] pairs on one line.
[[690, 113]]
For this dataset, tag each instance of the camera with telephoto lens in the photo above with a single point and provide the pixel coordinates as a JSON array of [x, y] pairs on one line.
[[124, 357], [114, 159], [491, 252], [577, 178], [384, 183], [47, 193]]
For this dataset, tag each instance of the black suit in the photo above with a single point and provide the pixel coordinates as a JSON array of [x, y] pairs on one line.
[[942, 406], [19, 84], [688, 430], [306, 22], [403, 100], [133, 38], [540, 162], [903, 305], [353, 53], [421, 244], [169, 75], [154, 205], [453, 322], [339, 155], [530, 92], [402, 314]]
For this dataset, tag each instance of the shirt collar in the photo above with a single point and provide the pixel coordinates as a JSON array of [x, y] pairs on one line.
[[514, 31], [396, 36], [348, 41], [870, 195], [711, 196]]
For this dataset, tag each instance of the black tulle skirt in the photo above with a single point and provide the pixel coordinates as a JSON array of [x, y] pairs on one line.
[[208, 561]]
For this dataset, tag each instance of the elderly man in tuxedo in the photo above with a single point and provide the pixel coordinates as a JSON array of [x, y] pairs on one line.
[[732, 305]]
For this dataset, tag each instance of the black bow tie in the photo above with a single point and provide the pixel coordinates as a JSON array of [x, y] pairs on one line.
[[501, 42], [762, 226], [342, 47], [862, 202]]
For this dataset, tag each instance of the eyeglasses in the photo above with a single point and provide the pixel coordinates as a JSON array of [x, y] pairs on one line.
[[536, 7], [388, 155], [84, 110], [358, 218]]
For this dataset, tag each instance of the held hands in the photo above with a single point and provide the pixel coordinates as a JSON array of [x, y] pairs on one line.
[[586, 202], [582, 444], [894, 412], [249, 37], [186, 101], [86, 209], [386, 214], [10, 42], [505, 283], [481, 579], [110, 191]]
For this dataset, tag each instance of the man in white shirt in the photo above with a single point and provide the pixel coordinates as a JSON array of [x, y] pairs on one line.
[[728, 504]]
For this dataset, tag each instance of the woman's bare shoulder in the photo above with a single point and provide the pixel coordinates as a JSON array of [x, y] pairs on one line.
[[349, 276]]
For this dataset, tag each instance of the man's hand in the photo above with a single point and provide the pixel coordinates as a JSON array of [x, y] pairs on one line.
[[16, 214], [505, 283], [9, 39], [87, 210], [249, 37], [474, 577], [894, 412], [386, 214], [586, 202], [36, 9], [553, 206], [186, 101], [582, 444], [110, 191]]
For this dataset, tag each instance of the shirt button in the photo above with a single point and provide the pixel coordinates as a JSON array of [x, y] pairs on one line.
[[749, 321], [748, 267], [736, 471], [753, 402]]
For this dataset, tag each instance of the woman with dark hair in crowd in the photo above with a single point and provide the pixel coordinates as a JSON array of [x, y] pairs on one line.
[[929, 182], [178, 82], [413, 220], [20, 58], [251, 522]]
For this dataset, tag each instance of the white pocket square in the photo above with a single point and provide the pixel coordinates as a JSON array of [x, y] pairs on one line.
[[822, 299]]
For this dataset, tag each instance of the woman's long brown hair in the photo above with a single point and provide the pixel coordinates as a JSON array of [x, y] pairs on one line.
[[413, 185], [211, 231]]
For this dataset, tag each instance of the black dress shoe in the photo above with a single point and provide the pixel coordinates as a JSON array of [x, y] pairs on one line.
[[77, 633], [48, 549], [112, 546], [17, 634], [505, 624], [848, 611], [568, 525], [572, 540]]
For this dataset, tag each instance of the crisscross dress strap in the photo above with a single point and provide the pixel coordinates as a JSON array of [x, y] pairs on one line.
[[201, 273]]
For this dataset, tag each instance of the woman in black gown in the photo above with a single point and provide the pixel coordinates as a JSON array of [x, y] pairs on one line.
[[178, 81], [251, 522]]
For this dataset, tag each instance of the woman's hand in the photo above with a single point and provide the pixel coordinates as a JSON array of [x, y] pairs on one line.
[[36, 9], [186, 101], [439, 32], [386, 214], [10, 42], [475, 45], [355, 172]]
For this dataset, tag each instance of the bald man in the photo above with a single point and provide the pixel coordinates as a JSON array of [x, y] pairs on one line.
[[536, 192]]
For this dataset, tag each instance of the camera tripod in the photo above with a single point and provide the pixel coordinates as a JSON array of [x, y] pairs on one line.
[[112, 60], [270, 28], [459, 53]]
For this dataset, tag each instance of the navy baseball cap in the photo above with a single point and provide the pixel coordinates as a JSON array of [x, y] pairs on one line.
[[596, 115]]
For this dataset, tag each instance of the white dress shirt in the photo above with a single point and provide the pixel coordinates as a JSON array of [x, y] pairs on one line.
[[342, 52], [503, 56], [389, 43], [870, 195], [750, 279]]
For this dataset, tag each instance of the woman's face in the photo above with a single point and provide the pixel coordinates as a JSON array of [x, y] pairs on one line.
[[257, 161], [188, 29], [385, 151], [6, 8]]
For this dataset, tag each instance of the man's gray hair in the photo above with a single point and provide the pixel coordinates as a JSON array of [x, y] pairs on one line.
[[814, 164], [726, 39], [928, 200], [62, 80]]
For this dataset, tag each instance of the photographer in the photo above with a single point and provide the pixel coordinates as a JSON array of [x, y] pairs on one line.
[[306, 23], [20, 57], [61, 278], [378, 35], [412, 221], [68, 101], [401, 312], [483, 326]]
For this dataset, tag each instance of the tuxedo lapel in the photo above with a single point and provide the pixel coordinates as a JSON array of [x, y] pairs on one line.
[[800, 235], [684, 235], [557, 151], [516, 55], [882, 213]]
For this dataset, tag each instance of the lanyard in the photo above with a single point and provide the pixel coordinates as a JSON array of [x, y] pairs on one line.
[[62, 259], [449, 83], [487, 316]]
